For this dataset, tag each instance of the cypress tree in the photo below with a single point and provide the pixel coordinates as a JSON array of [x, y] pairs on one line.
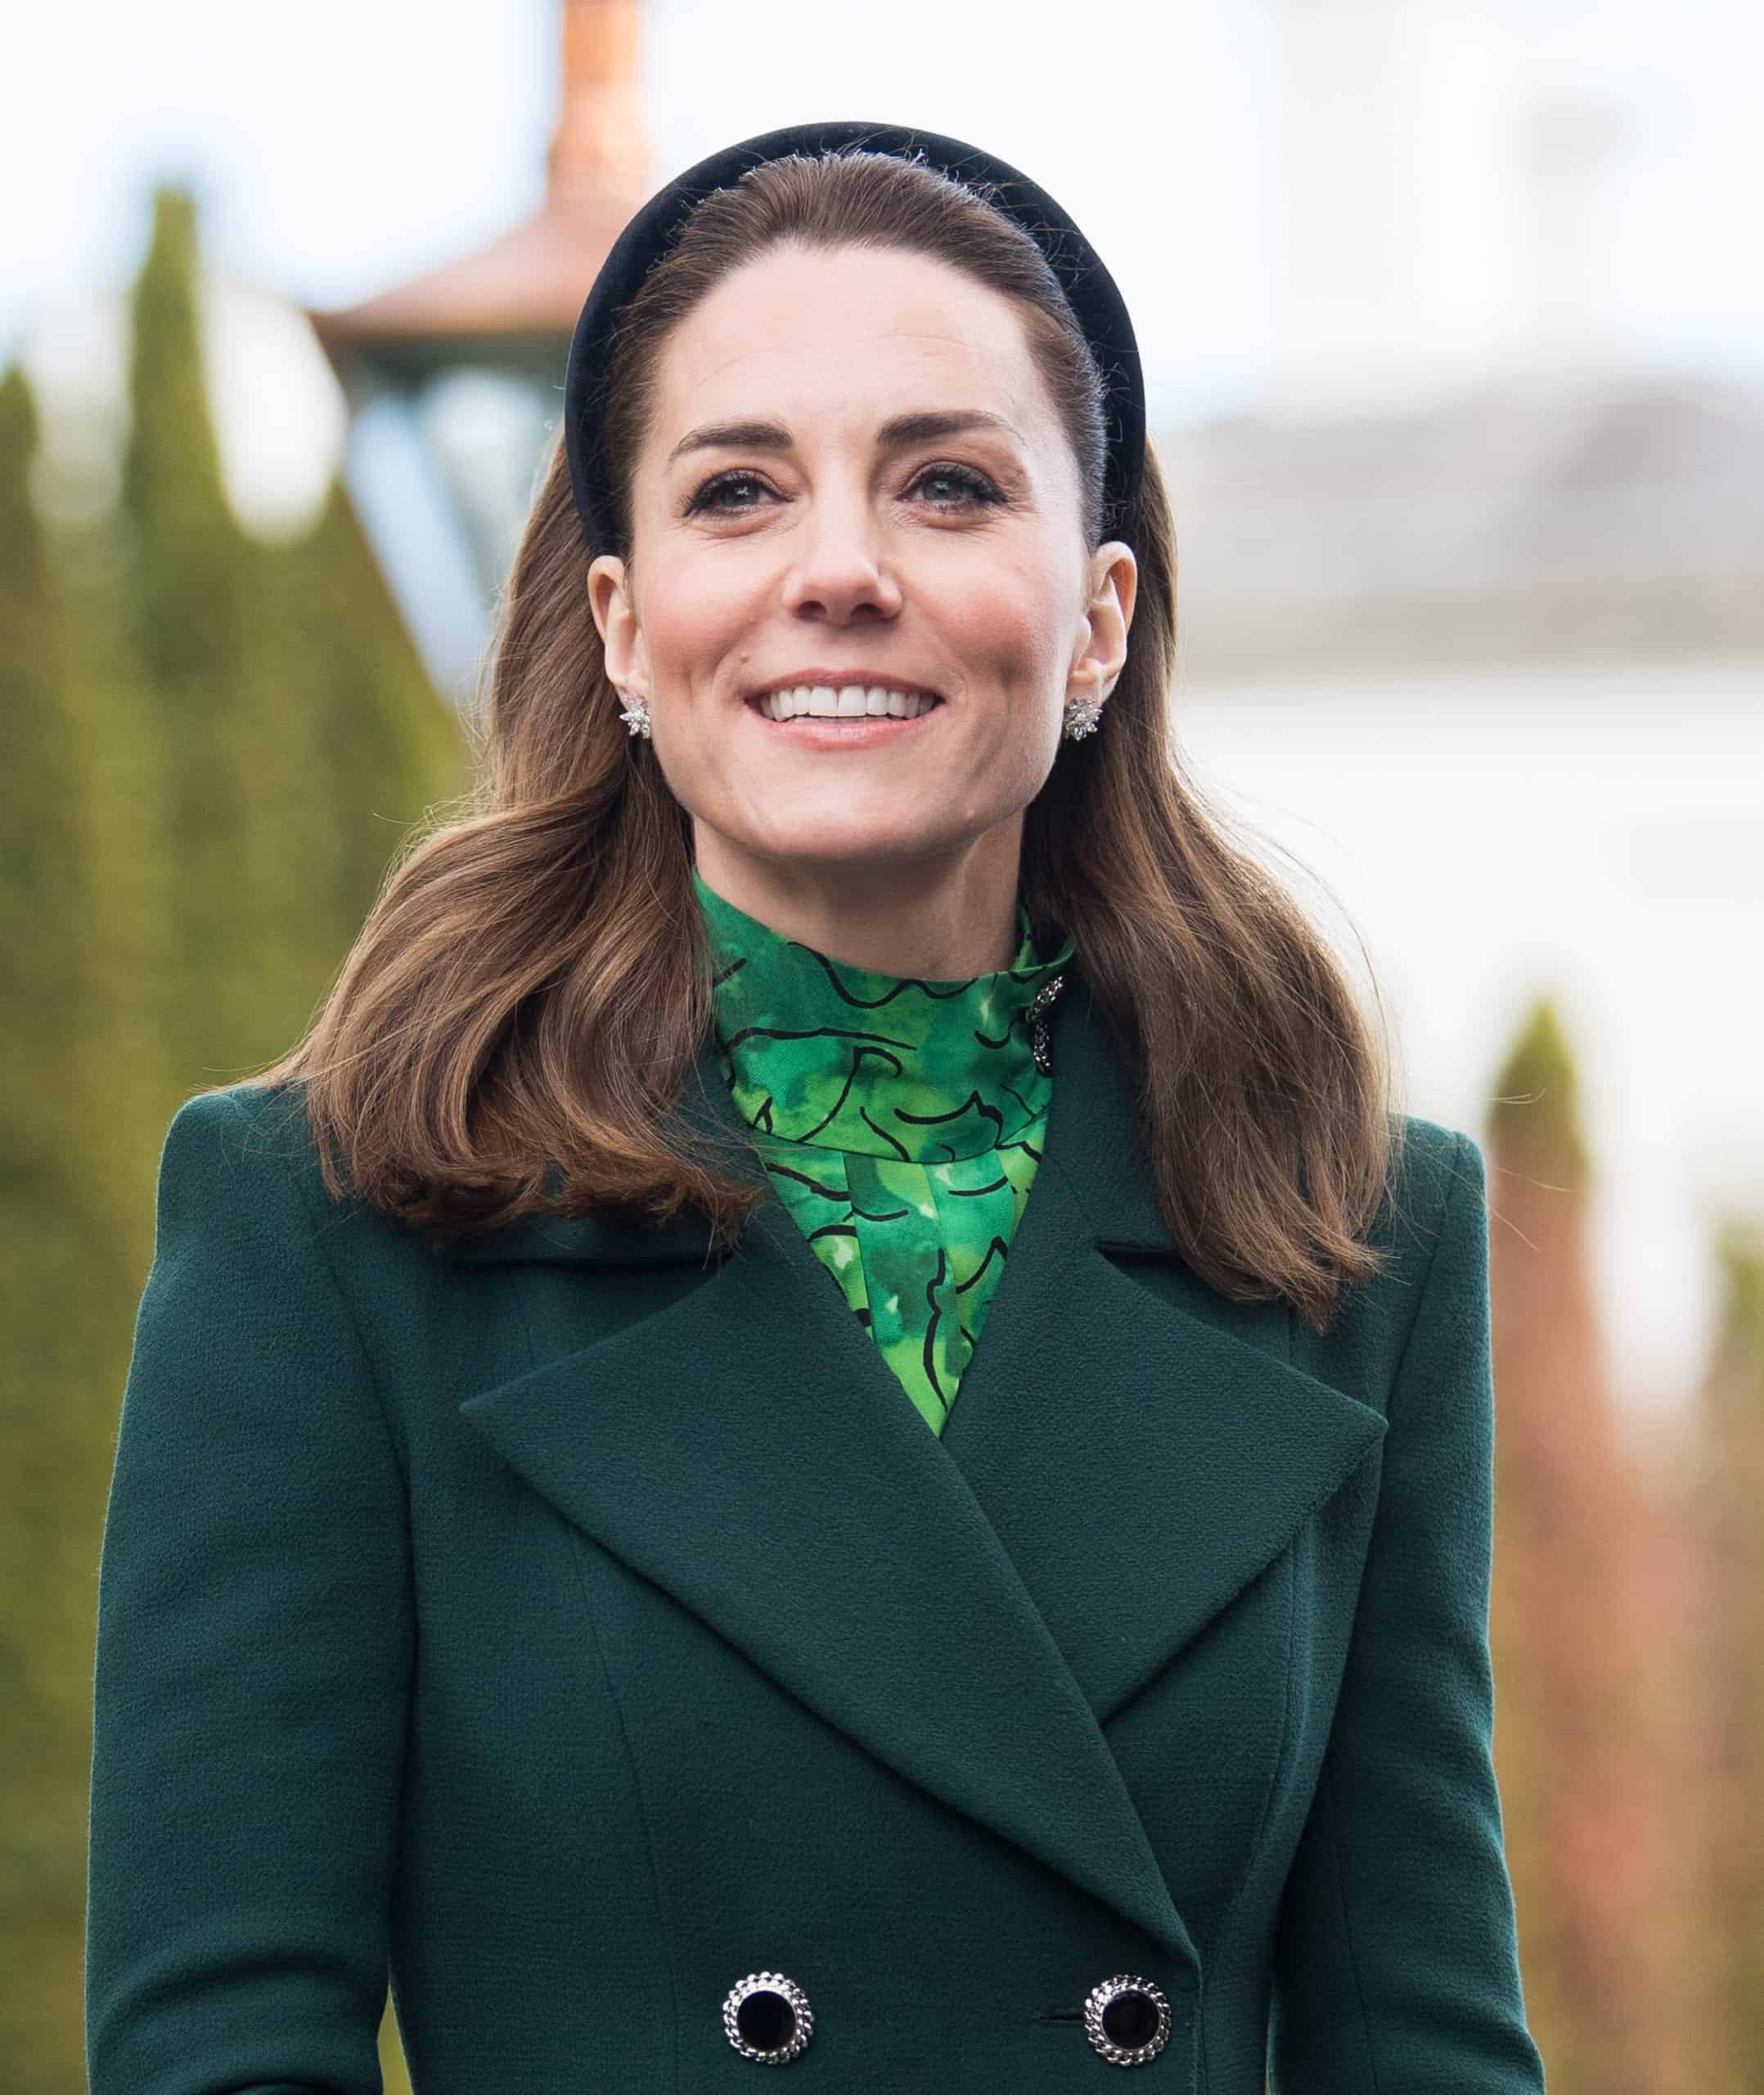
[[383, 747], [1725, 1503], [211, 748], [42, 892], [190, 577], [302, 734], [1587, 1586], [65, 1298]]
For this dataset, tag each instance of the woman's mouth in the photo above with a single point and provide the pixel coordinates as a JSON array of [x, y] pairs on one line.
[[850, 716]]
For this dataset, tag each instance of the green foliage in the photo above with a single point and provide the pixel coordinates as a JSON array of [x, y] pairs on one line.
[[1732, 1940], [55, 1259], [191, 579], [42, 876], [1739, 1255], [1537, 1098], [210, 750], [370, 753]]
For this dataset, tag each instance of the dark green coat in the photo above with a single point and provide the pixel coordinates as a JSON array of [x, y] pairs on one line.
[[576, 1627]]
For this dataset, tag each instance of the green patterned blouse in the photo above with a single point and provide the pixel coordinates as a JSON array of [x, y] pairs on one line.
[[900, 1122]]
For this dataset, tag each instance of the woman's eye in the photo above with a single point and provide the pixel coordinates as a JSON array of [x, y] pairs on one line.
[[974, 486], [718, 484]]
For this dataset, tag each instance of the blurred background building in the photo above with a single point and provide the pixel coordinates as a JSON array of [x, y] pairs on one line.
[[1468, 462], [463, 363]]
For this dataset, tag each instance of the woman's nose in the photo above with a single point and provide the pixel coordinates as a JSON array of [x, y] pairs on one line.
[[839, 566]]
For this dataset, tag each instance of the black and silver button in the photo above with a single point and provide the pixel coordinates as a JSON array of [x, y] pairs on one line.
[[767, 2017], [1127, 2019]]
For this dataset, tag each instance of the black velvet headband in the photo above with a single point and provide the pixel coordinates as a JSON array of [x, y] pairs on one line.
[[1088, 286]]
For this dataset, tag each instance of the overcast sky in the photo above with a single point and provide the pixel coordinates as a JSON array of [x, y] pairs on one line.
[[343, 145]]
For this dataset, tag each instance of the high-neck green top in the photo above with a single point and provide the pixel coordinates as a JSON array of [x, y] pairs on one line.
[[900, 1121]]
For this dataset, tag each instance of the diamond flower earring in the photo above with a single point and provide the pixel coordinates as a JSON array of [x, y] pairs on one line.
[[636, 714], [1082, 717]]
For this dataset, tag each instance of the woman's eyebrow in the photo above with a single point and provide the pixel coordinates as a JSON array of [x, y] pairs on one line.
[[923, 425]]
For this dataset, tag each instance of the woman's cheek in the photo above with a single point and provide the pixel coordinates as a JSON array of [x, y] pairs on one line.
[[693, 615]]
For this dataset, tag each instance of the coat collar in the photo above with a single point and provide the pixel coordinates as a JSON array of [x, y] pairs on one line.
[[973, 1609]]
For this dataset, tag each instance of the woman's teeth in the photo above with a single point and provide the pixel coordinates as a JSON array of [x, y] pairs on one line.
[[848, 702]]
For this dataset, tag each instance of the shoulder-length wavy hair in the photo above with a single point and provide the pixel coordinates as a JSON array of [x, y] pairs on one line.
[[529, 993]]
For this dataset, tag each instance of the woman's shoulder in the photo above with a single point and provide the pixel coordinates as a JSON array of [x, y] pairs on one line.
[[1432, 1166], [249, 1132], [245, 1154], [1430, 1232], [244, 1211]]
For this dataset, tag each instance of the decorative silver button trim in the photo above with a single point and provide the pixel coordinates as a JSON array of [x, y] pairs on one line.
[[1112, 1989], [1036, 1015], [801, 2016]]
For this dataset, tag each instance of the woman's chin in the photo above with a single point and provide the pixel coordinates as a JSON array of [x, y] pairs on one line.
[[844, 841]]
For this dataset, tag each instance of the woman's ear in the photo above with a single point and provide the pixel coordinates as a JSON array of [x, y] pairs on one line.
[[1113, 567], [1102, 645], [615, 617]]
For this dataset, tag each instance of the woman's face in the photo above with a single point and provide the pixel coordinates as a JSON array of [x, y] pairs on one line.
[[854, 476]]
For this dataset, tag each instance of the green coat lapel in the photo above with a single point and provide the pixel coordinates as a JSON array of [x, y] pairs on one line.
[[973, 1609]]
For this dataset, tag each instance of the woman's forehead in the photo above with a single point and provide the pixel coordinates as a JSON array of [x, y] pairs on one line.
[[802, 331]]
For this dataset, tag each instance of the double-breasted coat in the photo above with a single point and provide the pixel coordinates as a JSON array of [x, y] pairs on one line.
[[582, 1629]]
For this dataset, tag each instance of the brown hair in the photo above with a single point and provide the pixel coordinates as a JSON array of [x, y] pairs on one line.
[[531, 989]]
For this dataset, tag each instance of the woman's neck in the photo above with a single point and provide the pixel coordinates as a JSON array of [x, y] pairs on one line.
[[935, 923]]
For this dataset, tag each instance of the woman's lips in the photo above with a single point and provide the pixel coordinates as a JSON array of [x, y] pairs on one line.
[[854, 730]]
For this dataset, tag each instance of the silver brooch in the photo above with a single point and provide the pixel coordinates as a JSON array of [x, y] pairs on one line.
[[1039, 1005]]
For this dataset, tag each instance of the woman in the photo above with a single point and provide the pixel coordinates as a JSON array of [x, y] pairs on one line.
[[528, 1570]]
